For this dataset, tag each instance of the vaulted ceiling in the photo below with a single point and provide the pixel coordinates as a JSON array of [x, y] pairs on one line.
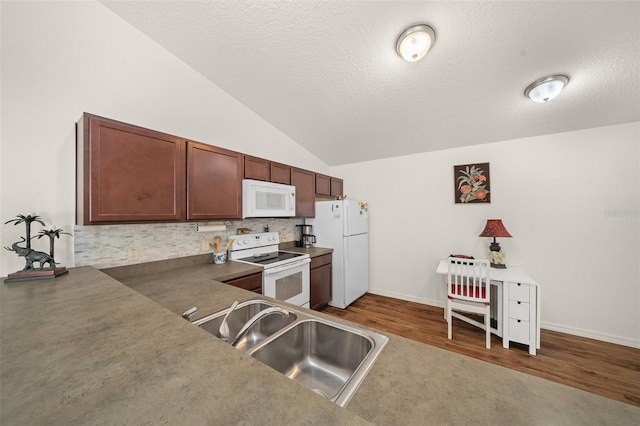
[[326, 73]]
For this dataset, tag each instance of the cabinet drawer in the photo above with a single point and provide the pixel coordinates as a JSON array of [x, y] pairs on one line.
[[519, 310], [519, 331], [519, 292], [318, 261]]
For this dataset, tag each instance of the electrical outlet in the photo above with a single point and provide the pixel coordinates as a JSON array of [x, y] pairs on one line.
[[204, 245], [132, 253]]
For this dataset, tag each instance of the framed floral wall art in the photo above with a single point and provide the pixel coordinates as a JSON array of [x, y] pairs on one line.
[[471, 182]]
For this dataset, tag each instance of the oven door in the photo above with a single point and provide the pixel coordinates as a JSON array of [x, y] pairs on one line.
[[289, 282]]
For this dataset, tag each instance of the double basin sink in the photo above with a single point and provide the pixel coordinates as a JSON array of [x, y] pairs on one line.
[[327, 357]]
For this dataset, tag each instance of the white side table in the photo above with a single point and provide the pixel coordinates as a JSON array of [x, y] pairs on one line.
[[519, 297]]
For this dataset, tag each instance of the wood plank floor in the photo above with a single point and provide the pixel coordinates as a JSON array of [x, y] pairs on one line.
[[606, 369]]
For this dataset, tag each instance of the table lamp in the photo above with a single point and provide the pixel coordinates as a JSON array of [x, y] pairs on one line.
[[494, 228]]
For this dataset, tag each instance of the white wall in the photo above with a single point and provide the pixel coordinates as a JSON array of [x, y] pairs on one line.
[[570, 201], [60, 59]]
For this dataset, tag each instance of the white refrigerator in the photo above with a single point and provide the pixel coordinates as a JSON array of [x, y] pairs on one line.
[[343, 225]]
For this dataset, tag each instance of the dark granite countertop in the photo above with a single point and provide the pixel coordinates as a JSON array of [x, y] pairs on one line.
[[312, 251], [86, 348]]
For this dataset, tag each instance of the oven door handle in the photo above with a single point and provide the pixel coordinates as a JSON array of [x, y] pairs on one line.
[[286, 267]]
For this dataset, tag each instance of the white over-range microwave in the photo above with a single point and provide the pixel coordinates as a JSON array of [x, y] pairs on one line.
[[267, 199]]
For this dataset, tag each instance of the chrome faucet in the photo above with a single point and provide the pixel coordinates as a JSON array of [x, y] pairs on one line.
[[257, 317], [187, 314]]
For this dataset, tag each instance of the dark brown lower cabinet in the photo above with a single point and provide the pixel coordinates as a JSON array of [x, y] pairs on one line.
[[321, 281], [249, 282]]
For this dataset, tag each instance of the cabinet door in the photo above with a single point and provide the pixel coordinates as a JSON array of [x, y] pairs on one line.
[[127, 173], [256, 168], [323, 184], [305, 183], [214, 182], [249, 282], [336, 187], [320, 286], [280, 173]]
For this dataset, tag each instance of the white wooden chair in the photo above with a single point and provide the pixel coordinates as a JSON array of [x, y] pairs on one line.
[[468, 287]]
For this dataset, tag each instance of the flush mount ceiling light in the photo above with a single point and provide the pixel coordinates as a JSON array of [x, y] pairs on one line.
[[415, 42], [546, 88]]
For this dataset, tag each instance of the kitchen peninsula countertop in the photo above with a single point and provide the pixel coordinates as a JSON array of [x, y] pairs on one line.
[[86, 348]]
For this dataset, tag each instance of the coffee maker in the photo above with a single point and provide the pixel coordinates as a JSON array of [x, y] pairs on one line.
[[307, 239]]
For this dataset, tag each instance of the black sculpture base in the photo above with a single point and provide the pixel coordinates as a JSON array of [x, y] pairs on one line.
[[45, 274]]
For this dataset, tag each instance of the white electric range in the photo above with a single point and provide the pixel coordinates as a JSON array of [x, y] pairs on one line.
[[286, 274]]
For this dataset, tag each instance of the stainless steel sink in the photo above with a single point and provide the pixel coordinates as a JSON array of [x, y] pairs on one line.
[[243, 313], [327, 357], [323, 357]]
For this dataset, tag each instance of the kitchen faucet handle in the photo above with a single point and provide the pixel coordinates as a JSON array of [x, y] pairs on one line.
[[187, 314]]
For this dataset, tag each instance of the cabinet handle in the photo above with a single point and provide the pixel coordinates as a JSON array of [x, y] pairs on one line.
[[518, 284], [519, 303], [518, 320]]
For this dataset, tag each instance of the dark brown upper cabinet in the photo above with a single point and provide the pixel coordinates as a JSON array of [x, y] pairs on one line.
[[280, 173], [336, 187], [127, 173], [214, 182], [323, 184], [257, 168], [305, 183]]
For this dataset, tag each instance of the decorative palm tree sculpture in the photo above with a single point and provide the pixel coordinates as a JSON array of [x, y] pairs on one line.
[[31, 217], [33, 257], [52, 233]]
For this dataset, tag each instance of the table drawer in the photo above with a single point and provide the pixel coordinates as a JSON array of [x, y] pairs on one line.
[[519, 310], [519, 292], [519, 331]]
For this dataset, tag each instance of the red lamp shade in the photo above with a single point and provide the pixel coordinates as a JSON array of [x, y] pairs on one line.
[[495, 228]]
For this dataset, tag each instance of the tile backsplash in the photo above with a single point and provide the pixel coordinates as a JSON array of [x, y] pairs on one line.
[[104, 246]]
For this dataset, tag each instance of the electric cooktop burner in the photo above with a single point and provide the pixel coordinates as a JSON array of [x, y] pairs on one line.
[[267, 258]]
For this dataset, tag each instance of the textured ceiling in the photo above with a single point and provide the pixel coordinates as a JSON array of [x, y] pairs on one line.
[[326, 73]]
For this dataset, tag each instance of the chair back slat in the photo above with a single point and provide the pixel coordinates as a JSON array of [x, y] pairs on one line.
[[468, 279]]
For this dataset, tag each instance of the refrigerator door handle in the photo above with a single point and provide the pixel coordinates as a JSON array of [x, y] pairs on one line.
[[346, 255], [345, 219]]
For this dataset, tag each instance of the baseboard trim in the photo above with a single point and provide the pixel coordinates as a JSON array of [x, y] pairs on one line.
[[402, 296], [618, 340]]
